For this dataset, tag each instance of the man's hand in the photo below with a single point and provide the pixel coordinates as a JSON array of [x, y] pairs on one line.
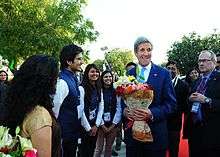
[[128, 114], [111, 127], [142, 115], [105, 129], [197, 97], [93, 130]]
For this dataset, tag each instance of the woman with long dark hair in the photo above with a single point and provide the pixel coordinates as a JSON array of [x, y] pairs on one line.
[[29, 101], [3, 90], [91, 96], [111, 117]]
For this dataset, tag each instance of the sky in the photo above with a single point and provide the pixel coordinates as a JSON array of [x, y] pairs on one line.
[[163, 22]]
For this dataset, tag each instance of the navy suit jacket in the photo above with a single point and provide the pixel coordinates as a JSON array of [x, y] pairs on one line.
[[164, 103]]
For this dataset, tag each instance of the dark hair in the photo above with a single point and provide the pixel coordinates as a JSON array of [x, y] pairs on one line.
[[130, 64], [3, 71], [103, 73], [171, 62], [88, 86], [68, 53], [32, 85], [188, 79]]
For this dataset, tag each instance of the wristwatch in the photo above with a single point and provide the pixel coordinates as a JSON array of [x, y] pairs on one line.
[[208, 100]]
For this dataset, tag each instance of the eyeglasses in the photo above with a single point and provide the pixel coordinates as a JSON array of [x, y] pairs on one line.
[[204, 60]]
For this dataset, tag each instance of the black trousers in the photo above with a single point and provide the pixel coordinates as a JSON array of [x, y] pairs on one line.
[[69, 147], [174, 140], [140, 151], [87, 146], [196, 150]]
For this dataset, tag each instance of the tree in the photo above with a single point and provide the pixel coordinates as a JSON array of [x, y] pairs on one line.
[[99, 63], [118, 58], [29, 27], [186, 51]]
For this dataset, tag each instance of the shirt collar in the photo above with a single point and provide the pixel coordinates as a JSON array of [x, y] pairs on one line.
[[148, 67]]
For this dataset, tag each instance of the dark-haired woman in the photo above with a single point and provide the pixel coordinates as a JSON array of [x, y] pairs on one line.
[[3, 88], [111, 117], [90, 92], [191, 76], [29, 100]]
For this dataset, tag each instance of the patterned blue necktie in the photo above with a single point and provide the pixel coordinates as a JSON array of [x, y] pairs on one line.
[[201, 87], [197, 116], [141, 76]]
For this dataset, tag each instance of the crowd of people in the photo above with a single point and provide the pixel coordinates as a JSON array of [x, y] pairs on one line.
[[66, 116]]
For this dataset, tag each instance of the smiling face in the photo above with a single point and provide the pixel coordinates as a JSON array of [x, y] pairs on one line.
[[76, 64], [143, 53], [93, 75], [194, 74], [3, 76], [107, 79]]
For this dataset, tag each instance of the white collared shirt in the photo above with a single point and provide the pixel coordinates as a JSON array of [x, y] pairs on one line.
[[62, 91]]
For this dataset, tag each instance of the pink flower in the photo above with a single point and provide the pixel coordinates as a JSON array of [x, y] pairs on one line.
[[30, 153]]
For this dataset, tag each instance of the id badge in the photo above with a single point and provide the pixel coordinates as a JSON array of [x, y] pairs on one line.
[[107, 117], [92, 114]]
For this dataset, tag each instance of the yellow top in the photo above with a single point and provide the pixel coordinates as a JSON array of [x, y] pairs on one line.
[[35, 120]]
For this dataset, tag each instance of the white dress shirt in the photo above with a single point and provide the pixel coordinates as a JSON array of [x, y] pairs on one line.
[[118, 113], [62, 90], [84, 120]]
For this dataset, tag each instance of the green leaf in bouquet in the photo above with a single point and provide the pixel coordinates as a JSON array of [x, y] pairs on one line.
[[16, 153], [17, 131], [6, 138], [25, 143]]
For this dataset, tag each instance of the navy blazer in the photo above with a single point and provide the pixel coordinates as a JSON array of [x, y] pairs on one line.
[[164, 103]]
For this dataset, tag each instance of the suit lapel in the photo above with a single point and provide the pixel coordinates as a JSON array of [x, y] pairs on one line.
[[153, 74]]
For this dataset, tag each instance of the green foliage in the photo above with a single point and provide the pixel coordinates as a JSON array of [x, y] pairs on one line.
[[118, 58], [30, 27], [99, 63], [186, 51]]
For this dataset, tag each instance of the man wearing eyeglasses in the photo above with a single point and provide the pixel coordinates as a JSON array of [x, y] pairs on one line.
[[204, 133], [164, 103]]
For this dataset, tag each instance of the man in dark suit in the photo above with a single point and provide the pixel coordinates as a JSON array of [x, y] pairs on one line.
[[174, 122], [204, 133], [164, 103]]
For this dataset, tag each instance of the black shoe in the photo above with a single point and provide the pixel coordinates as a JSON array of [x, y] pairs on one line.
[[114, 153]]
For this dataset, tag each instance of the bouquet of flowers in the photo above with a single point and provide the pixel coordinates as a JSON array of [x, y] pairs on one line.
[[136, 95], [15, 146]]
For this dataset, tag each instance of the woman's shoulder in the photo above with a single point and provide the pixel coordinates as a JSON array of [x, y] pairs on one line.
[[38, 118]]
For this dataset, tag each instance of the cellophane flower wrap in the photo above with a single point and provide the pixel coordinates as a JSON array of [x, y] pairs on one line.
[[136, 96], [15, 146]]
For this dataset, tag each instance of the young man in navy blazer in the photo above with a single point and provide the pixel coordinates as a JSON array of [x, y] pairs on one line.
[[163, 104]]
